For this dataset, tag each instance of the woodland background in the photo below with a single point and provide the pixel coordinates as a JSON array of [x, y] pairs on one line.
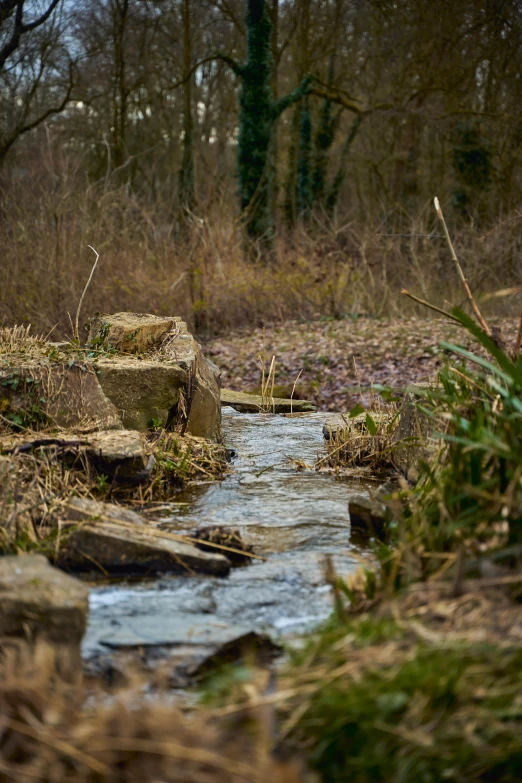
[[119, 128]]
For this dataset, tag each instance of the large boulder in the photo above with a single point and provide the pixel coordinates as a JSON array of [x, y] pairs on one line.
[[166, 383], [41, 605], [43, 392], [123, 548]]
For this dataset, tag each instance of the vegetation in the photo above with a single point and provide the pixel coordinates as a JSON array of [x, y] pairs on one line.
[[157, 132], [399, 695], [155, 98]]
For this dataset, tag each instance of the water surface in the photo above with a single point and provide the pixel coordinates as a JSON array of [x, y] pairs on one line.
[[293, 517]]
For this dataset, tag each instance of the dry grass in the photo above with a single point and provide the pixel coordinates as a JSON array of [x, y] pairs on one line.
[[35, 486], [366, 441], [48, 733], [202, 275], [18, 340]]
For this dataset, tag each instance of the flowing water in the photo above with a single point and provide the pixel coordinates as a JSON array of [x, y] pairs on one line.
[[290, 515]]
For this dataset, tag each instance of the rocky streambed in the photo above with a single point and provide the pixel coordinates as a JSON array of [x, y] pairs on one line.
[[291, 517], [136, 418]]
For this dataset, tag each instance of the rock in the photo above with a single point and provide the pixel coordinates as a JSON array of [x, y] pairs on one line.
[[204, 418], [339, 422], [223, 536], [369, 515], [193, 643], [166, 386], [412, 443], [256, 648], [82, 509], [128, 332], [121, 548], [254, 403], [44, 393], [120, 454], [40, 604], [146, 393], [336, 424]]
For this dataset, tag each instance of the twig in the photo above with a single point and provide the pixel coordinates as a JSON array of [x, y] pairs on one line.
[[519, 338], [463, 280], [76, 334], [456, 589], [431, 307], [293, 391]]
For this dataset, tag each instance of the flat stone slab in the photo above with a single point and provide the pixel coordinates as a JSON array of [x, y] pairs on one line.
[[116, 547], [128, 332], [254, 403], [38, 601], [176, 626], [85, 509], [180, 628]]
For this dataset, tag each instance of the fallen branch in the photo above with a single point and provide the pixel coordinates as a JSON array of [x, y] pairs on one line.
[[24, 448]]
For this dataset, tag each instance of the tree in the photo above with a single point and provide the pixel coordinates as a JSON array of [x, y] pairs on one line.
[[258, 113], [187, 196], [36, 71]]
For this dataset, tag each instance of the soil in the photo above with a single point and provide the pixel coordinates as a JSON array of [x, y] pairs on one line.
[[332, 360]]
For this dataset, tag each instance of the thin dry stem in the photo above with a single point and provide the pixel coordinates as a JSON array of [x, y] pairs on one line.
[[460, 272], [76, 333]]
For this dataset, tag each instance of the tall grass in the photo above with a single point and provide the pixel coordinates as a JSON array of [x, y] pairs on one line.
[[149, 262]]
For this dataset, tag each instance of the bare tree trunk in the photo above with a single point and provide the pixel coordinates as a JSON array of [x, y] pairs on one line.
[[187, 196], [120, 96]]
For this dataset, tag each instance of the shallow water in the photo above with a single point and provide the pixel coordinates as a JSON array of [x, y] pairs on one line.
[[292, 517]]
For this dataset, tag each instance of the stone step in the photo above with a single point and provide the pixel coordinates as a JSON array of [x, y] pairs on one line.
[[254, 403]]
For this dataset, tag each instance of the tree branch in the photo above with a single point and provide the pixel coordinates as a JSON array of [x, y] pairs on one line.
[[235, 66], [431, 306], [14, 42], [20, 130], [335, 96], [26, 28], [20, 28], [292, 97]]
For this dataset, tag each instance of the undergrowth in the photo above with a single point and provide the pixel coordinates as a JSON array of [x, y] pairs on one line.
[[36, 485], [398, 708]]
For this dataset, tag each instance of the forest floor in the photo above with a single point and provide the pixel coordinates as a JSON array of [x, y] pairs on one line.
[[331, 359]]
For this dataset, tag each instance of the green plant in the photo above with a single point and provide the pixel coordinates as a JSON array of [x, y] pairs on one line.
[[467, 502]]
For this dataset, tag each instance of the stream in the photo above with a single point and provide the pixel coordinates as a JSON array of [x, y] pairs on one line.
[[290, 516]]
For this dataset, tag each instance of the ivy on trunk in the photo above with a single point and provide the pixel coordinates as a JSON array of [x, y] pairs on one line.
[[258, 113]]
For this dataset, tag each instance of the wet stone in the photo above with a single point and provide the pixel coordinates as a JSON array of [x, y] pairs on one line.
[[120, 548], [369, 516], [85, 509], [40, 605], [254, 403]]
